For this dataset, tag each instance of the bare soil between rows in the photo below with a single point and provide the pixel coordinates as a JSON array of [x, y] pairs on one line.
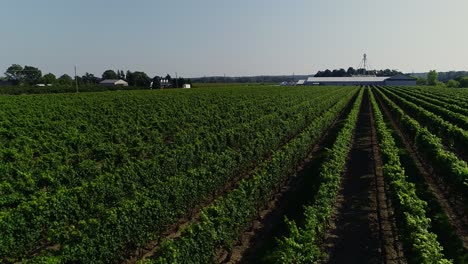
[[362, 226]]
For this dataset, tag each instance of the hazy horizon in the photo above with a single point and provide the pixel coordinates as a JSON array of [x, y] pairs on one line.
[[236, 38]]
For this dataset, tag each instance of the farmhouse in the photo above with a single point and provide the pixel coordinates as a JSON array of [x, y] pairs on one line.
[[400, 80], [165, 83], [113, 83]]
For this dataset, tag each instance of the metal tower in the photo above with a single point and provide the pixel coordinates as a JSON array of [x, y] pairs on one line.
[[364, 65]]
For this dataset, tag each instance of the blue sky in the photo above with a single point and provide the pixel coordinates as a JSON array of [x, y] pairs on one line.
[[216, 37]]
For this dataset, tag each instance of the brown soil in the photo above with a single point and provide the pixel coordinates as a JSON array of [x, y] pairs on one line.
[[457, 214], [362, 227]]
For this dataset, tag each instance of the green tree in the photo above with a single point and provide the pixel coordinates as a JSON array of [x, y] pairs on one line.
[[179, 82], [463, 82], [453, 84], [141, 79], [48, 78], [89, 78], [421, 81], [351, 71], [156, 82], [129, 78], [432, 78], [109, 74], [121, 75], [78, 80], [65, 80], [32, 75], [341, 73], [14, 73]]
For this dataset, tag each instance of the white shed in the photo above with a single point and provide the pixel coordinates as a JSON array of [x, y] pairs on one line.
[[111, 82], [187, 86]]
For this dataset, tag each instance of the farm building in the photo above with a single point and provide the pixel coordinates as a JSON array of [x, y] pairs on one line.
[[5, 83], [400, 80], [113, 83], [290, 83], [301, 82], [187, 86], [165, 83]]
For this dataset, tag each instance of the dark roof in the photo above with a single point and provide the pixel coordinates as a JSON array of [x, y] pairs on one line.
[[5, 83], [401, 77]]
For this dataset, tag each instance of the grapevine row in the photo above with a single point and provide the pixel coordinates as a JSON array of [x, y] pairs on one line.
[[453, 170], [222, 223], [455, 118], [111, 228], [301, 246], [454, 97], [435, 100], [411, 210], [453, 135], [174, 155]]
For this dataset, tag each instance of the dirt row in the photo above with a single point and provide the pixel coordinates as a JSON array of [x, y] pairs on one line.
[[362, 227]]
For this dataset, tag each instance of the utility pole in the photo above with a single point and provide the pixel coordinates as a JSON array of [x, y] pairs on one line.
[[176, 81], [76, 81]]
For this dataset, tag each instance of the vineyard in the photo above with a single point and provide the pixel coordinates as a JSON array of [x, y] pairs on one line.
[[237, 174]]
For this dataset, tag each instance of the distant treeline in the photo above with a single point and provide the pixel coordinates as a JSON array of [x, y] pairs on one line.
[[17, 75], [351, 72], [27, 89], [444, 76], [293, 78], [250, 79]]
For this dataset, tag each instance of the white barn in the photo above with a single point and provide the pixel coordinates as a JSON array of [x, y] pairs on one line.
[[111, 82], [400, 80], [301, 82]]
